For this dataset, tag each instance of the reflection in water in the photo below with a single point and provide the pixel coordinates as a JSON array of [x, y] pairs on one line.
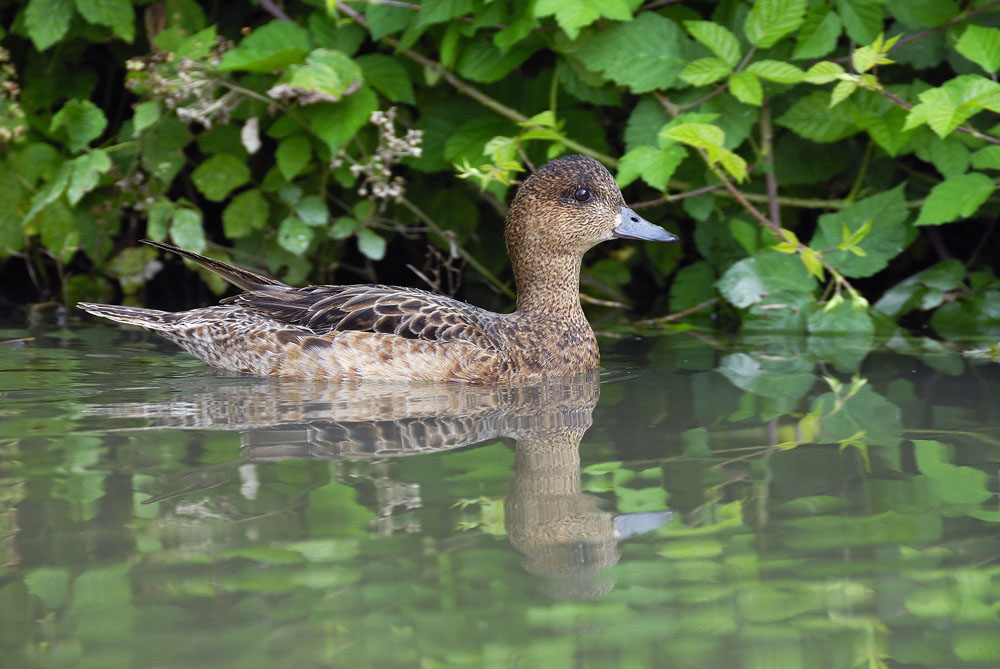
[[561, 532]]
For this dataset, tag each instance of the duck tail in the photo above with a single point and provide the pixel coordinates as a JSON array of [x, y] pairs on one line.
[[151, 319], [237, 276]]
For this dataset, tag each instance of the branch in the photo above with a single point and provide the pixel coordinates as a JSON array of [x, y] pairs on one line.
[[767, 158]]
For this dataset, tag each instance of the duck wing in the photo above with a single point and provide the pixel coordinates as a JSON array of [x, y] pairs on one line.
[[407, 312]]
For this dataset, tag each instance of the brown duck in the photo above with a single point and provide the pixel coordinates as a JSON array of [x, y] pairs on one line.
[[404, 334]]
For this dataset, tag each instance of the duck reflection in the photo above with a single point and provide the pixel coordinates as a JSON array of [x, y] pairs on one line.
[[562, 533]]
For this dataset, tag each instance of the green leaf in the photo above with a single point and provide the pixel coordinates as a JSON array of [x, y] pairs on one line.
[[219, 175], [186, 229], [862, 19], [746, 88], [371, 244], [59, 232], [841, 91], [718, 39], [146, 114], [247, 212], [292, 155], [386, 75], [643, 54], [47, 21], [693, 285], [294, 236], [923, 13], [485, 62], [702, 135], [643, 125], [158, 222], [885, 240], [777, 71], [312, 211], [704, 71], [337, 123], [272, 46], [439, 11], [115, 14], [326, 76], [342, 228], [987, 158], [752, 279], [86, 171], [571, 15], [77, 123], [954, 198], [50, 192], [823, 72], [770, 20], [812, 118], [981, 45], [818, 34], [386, 19], [197, 46], [948, 155], [653, 164]]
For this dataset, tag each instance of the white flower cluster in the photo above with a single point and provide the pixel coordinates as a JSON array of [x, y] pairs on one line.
[[186, 86], [13, 127], [379, 182]]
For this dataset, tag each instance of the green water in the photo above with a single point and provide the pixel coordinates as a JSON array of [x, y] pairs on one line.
[[775, 503]]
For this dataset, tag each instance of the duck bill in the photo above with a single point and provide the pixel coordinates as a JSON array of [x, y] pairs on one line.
[[634, 226]]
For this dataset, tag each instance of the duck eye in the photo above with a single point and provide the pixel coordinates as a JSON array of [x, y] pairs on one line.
[[581, 195]]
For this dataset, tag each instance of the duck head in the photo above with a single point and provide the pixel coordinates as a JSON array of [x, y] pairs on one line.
[[569, 205]]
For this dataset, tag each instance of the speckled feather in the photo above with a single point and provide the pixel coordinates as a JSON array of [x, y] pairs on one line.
[[394, 333]]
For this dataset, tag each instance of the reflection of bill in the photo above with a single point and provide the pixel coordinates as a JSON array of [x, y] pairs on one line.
[[561, 532]]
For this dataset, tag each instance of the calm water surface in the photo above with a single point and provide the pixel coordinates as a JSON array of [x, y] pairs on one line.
[[771, 503]]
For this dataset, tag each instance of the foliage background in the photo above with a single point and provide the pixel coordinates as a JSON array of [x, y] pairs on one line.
[[830, 165]]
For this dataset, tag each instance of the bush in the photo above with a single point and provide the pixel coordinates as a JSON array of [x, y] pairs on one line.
[[831, 166]]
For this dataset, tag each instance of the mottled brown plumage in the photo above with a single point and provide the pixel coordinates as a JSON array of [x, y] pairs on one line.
[[387, 332]]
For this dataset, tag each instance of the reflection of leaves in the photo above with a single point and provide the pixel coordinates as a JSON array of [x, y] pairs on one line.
[[949, 483], [865, 412], [784, 378], [334, 510]]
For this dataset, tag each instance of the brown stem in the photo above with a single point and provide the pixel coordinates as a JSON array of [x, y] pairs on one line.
[[767, 159], [677, 315], [967, 130]]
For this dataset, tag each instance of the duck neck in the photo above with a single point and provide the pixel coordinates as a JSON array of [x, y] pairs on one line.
[[550, 288]]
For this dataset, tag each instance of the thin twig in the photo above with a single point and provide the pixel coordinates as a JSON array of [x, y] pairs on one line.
[[767, 158], [677, 315]]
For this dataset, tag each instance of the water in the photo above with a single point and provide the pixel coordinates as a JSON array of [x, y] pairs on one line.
[[770, 503]]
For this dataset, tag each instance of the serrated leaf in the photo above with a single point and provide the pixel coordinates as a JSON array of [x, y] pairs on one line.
[[954, 198], [371, 244], [115, 14], [312, 211], [841, 91], [812, 118], [484, 61], [752, 279], [47, 21], [777, 71], [770, 20], [880, 242], [745, 87], [704, 71], [862, 19], [272, 46], [653, 164], [642, 54], [923, 13], [186, 230], [294, 236], [146, 114], [86, 172], [717, 38], [987, 158], [981, 45], [702, 135], [386, 75], [292, 155], [818, 34], [217, 176], [78, 122], [326, 76], [823, 72], [571, 15], [246, 213], [439, 11], [337, 123]]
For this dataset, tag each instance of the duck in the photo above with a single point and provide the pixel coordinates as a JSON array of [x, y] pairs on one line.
[[391, 333]]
